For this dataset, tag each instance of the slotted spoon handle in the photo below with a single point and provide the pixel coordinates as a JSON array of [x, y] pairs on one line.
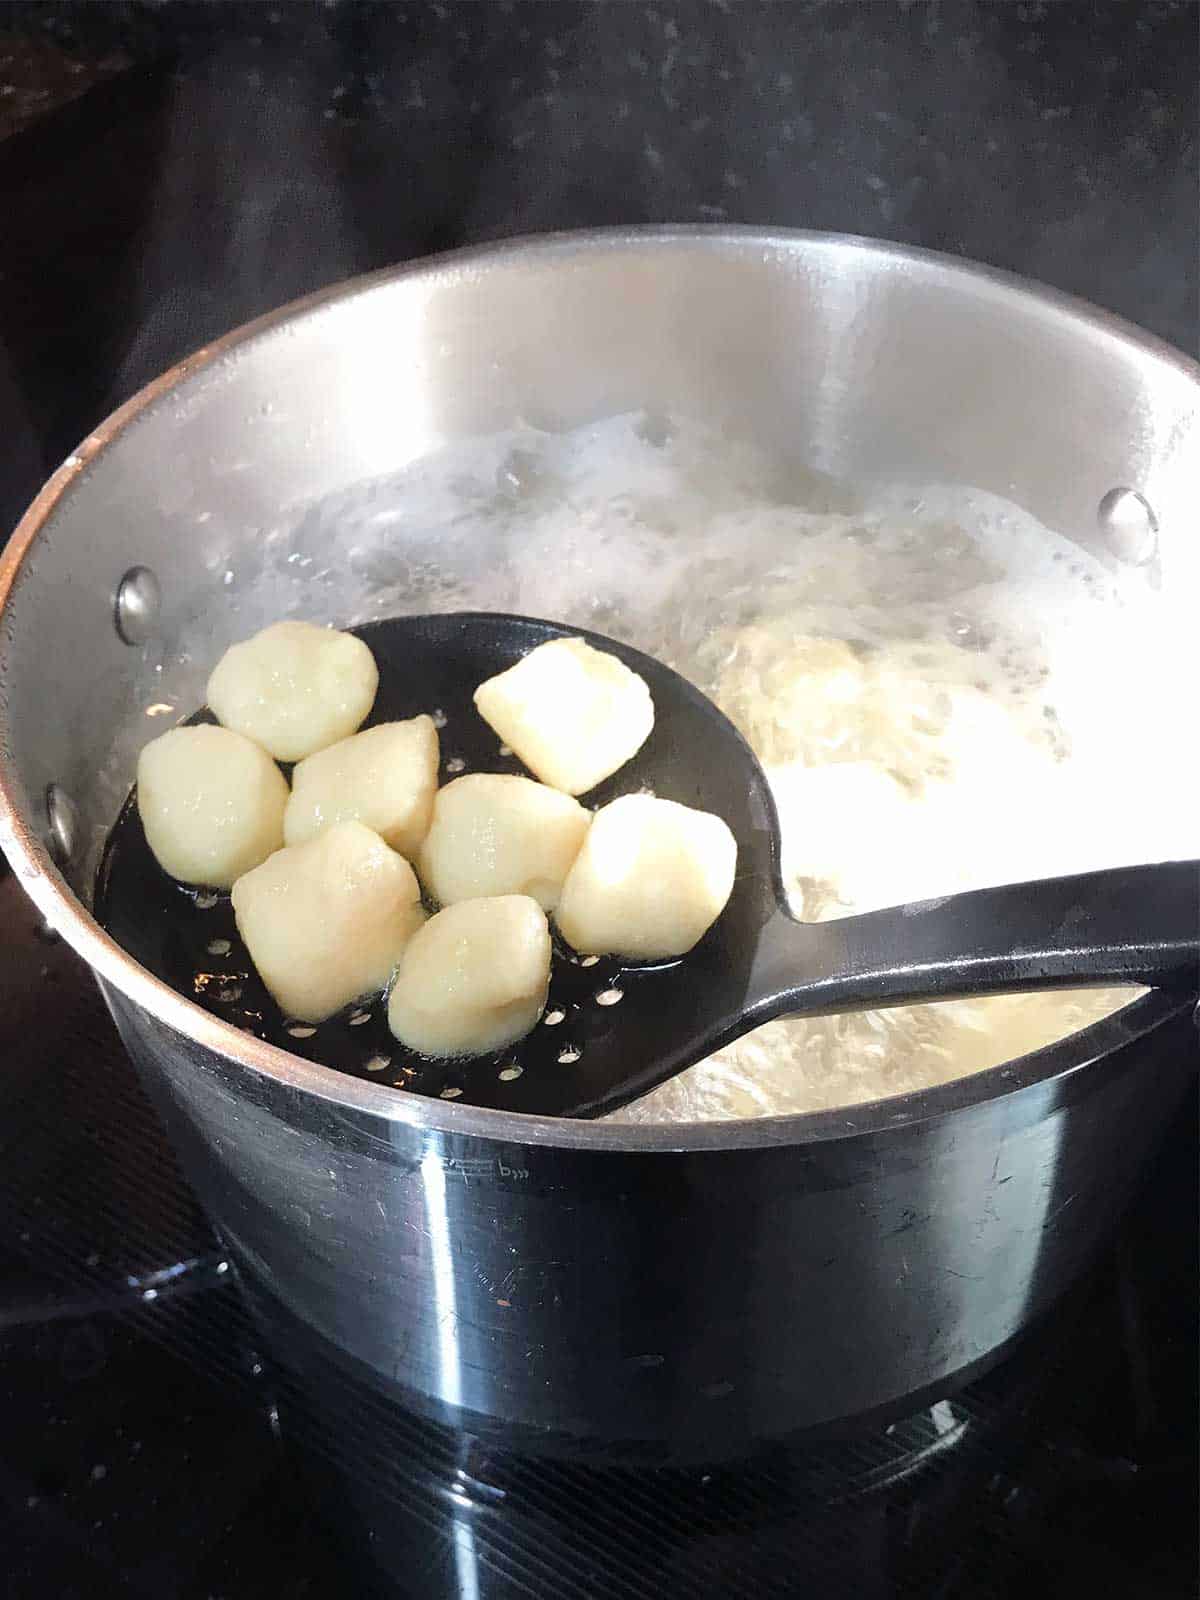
[[1137, 925]]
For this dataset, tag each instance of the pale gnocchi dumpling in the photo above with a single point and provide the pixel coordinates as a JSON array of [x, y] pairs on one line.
[[474, 978], [573, 714], [325, 922], [493, 834], [211, 804], [385, 777], [294, 688], [651, 879]]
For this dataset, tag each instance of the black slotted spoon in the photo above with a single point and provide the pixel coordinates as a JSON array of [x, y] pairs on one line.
[[613, 1029], [630, 1027]]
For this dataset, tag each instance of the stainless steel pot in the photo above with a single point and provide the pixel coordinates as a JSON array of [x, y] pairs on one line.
[[679, 1290]]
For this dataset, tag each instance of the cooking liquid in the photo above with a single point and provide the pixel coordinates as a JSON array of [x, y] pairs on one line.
[[932, 681]]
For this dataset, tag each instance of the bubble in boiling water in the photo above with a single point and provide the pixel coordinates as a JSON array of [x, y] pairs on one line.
[[520, 473], [968, 632], [653, 429]]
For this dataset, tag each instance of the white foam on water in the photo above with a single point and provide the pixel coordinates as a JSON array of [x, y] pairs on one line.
[[944, 693]]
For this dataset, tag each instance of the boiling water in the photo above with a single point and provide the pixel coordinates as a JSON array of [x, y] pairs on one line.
[[933, 682]]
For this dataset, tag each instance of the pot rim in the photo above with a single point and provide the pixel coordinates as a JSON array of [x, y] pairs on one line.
[[45, 885]]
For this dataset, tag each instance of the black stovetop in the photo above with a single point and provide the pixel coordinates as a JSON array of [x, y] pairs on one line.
[[170, 169], [151, 1447]]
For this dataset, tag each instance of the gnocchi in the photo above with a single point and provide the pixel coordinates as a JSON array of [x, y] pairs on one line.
[[294, 688], [211, 804], [651, 879], [573, 714], [474, 978], [326, 921], [385, 777], [494, 834]]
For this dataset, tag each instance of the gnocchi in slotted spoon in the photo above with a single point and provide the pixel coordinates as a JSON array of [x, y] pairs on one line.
[[627, 1019]]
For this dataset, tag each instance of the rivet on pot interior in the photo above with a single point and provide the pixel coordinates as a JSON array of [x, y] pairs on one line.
[[1129, 526], [63, 824], [136, 606]]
